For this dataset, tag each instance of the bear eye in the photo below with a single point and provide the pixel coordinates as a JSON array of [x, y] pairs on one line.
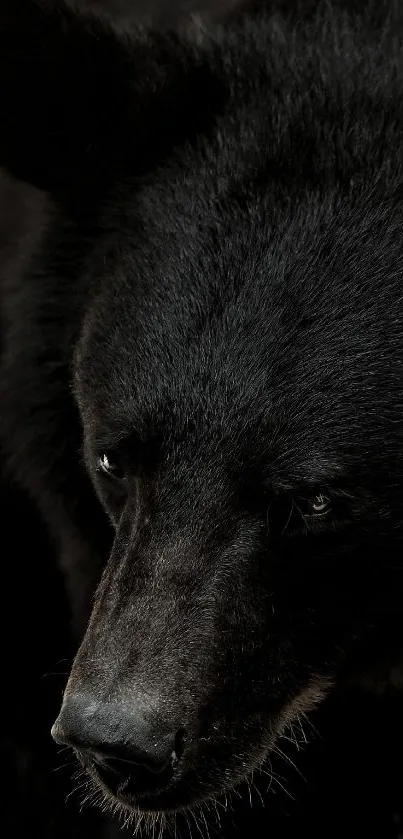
[[111, 466], [318, 505], [287, 513]]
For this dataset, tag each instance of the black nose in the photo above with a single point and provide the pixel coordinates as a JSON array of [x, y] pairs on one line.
[[131, 756]]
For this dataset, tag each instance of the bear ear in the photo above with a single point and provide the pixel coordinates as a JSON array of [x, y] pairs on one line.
[[80, 94]]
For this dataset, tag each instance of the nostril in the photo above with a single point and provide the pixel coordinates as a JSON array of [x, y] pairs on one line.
[[179, 747]]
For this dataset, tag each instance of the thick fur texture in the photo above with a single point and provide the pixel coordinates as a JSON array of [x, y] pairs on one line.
[[202, 281]]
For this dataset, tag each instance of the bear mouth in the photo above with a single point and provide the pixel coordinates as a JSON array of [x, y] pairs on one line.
[[130, 787], [169, 792], [133, 785]]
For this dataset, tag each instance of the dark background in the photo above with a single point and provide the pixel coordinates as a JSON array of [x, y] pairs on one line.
[[352, 765]]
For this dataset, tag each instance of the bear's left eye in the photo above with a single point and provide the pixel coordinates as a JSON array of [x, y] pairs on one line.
[[111, 466]]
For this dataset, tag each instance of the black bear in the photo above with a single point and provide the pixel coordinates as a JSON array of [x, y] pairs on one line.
[[202, 366]]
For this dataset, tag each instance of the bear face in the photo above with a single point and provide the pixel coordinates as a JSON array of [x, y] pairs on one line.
[[237, 373], [226, 388]]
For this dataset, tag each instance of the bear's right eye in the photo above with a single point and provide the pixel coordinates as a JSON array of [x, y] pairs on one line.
[[110, 465]]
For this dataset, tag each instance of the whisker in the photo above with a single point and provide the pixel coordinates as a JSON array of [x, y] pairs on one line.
[[288, 760]]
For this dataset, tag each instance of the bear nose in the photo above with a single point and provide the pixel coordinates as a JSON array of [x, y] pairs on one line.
[[129, 755]]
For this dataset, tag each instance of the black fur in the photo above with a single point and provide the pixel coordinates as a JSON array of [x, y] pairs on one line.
[[213, 277]]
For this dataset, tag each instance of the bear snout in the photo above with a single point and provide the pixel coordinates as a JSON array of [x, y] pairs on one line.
[[131, 754]]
